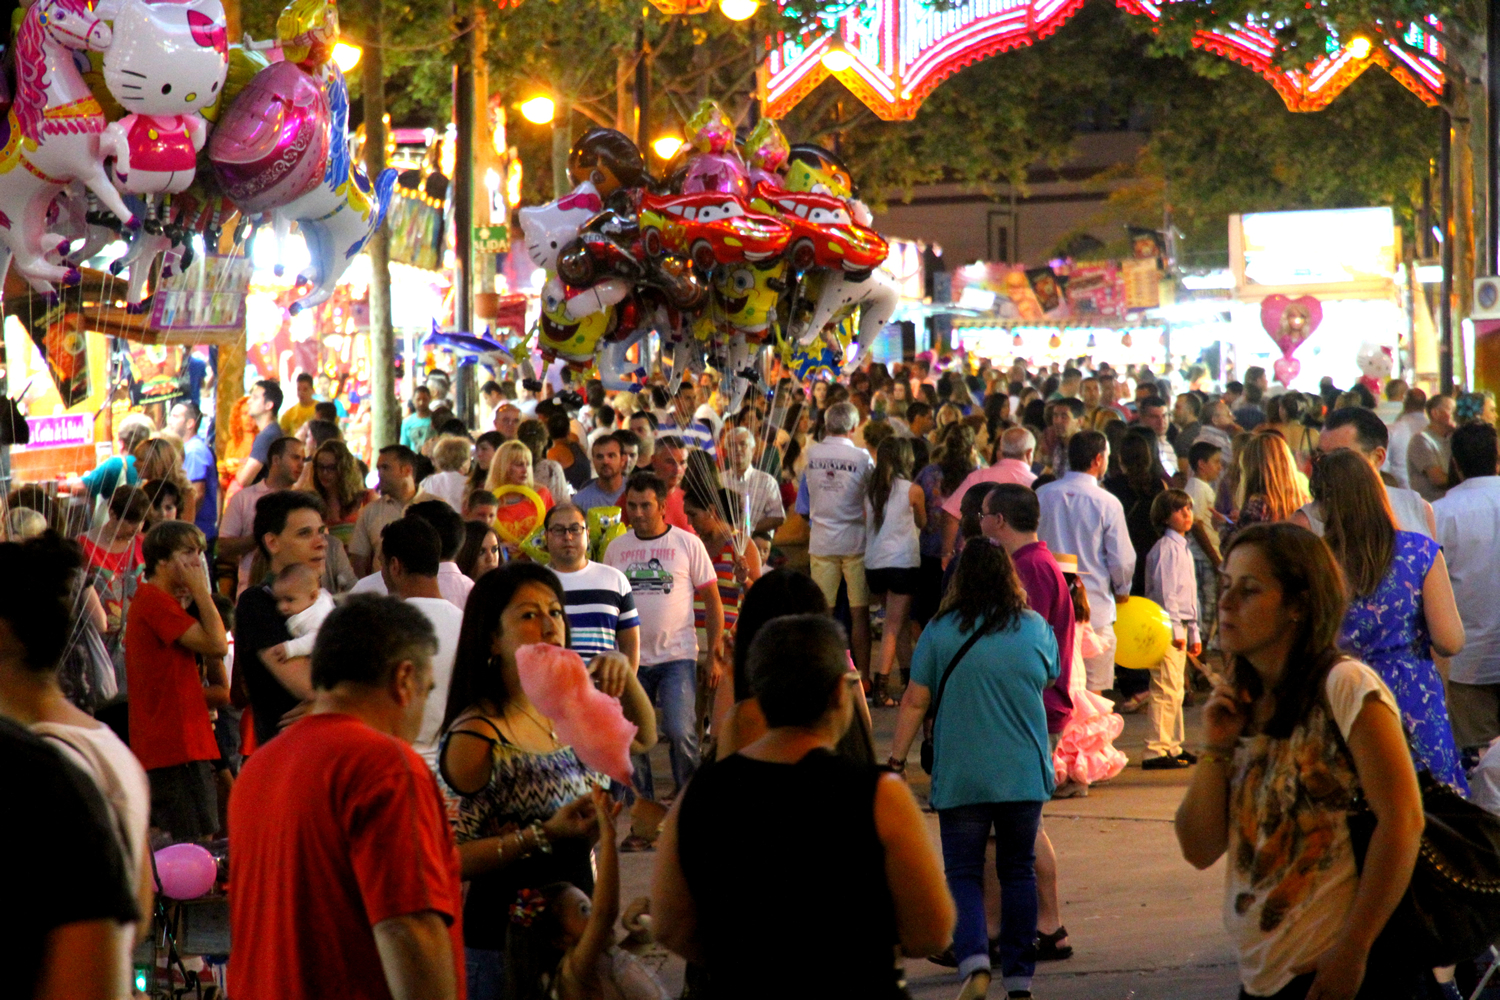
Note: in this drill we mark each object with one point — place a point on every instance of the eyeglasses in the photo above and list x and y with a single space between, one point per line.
569 531
325 467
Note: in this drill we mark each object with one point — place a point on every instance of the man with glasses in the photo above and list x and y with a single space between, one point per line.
1363 432
600 606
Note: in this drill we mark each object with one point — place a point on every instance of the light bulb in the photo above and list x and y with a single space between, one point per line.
667 146
1359 47
739 10
836 58
538 110
346 56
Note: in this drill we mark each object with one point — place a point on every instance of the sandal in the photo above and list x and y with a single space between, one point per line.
634 844
1047 949
879 697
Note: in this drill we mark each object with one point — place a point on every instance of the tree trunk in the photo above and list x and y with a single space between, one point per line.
562 144
385 410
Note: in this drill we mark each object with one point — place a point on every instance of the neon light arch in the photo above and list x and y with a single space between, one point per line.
902 51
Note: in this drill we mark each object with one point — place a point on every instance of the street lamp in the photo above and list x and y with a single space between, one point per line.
538 110
1359 47
667 146
739 10
836 57
346 56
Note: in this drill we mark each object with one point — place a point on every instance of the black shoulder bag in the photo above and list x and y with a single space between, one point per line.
928 724
1451 909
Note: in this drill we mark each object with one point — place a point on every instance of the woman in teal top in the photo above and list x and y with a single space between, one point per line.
992 764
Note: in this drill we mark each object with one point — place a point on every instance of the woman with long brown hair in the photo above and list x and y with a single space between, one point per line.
1268 487
336 478
1400 604
895 513
159 459
991 760
1296 738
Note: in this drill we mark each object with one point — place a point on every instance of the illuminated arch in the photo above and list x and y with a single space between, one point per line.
901 50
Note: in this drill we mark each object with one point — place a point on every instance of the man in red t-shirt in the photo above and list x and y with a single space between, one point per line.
345 875
170 731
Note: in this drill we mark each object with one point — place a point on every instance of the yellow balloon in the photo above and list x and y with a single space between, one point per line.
516 522
1144 631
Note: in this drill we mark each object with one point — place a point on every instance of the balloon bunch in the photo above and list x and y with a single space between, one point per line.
122 149
741 246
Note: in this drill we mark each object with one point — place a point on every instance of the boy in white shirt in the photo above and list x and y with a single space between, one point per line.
1171 583
1205 466
304 603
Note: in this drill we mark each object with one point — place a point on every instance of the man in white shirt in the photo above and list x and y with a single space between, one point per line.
237 533
409 563
1017 446
1411 421
831 496
766 511
452 584
667 567
1468 529
1081 517
1360 430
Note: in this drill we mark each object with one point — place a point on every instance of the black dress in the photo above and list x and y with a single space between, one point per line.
779 853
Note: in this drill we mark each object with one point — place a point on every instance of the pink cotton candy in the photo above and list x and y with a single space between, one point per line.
586 718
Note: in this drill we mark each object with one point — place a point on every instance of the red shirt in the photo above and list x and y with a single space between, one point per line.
336 827
169 722
675 515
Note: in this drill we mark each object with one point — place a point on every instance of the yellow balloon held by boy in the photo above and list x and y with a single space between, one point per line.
1143 631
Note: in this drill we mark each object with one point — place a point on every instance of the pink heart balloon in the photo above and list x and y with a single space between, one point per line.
1273 313
271 145
1286 369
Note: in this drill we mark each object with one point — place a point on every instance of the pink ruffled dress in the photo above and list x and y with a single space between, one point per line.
1086 751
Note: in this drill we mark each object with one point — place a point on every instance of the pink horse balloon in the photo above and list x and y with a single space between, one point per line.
50 138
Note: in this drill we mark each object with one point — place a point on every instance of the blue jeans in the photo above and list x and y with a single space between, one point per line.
965 830
673 688
484 973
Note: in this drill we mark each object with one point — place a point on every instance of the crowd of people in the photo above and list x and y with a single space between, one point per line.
315 659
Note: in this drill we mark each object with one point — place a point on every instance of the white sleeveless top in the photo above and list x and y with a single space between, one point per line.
897 545
1408 506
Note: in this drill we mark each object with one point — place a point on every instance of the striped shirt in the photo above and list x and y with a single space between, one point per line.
599 604
729 595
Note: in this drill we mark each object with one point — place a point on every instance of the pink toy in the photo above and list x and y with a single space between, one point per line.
166 64
271 144
187 871
586 718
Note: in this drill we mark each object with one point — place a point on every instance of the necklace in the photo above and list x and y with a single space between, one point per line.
537 721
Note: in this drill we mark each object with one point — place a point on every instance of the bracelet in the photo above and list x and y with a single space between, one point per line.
520 841
543 844
896 764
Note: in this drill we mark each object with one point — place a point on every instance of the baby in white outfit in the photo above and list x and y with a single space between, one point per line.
304 603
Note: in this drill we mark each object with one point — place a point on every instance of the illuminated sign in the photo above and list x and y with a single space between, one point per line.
902 49
1332 247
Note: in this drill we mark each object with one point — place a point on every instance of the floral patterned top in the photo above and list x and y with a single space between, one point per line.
1388 631
1291 875
523 787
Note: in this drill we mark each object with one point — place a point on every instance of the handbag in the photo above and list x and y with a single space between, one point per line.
929 749
1451 909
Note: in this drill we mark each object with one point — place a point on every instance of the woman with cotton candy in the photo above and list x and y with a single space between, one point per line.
529 732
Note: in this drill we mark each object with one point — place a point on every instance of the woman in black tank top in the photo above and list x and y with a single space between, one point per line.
785 840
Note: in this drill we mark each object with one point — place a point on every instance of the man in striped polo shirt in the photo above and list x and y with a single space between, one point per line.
600 606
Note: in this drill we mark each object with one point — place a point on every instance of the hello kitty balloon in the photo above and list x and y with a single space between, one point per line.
166 64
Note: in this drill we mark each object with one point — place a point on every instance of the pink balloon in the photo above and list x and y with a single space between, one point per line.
721 172
187 871
1286 369
759 176
271 145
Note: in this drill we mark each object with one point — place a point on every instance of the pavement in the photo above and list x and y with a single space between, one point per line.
1143 923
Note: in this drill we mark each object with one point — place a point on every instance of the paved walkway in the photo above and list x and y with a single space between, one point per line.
1142 921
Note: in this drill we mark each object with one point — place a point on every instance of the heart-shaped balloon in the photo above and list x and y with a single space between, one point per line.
1286 369
520 514
1290 321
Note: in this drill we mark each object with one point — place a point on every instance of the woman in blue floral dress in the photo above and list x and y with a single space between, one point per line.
1401 607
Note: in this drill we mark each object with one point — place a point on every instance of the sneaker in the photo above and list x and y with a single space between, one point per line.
1134 704
1071 789
1164 764
1188 756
